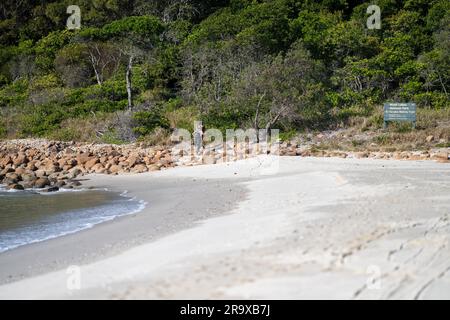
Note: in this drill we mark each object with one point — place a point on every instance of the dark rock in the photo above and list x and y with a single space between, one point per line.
75 183
15 186
51 189
60 183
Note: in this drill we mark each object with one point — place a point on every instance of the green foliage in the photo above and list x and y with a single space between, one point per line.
294 65
3 130
146 121
47 47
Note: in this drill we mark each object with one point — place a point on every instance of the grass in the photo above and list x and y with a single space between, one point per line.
362 133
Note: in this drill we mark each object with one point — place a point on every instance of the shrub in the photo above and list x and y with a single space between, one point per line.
183 118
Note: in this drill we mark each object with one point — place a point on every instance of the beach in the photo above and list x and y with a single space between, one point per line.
325 228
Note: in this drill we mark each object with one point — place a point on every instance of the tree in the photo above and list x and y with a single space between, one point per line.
104 58
437 62
136 37
282 89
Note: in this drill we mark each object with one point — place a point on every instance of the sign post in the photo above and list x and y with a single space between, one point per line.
400 112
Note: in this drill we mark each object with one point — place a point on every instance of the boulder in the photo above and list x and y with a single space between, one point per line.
60 183
73 173
115 169
21 170
83 158
133 159
41 183
28 176
154 167
75 183
15 186
20 159
40 173
13 176
441 155
140 168
7 169
89 164
98 168
51 189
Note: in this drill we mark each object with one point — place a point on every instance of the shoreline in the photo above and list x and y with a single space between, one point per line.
76 218
112 237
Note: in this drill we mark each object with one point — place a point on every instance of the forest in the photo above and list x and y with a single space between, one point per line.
137 69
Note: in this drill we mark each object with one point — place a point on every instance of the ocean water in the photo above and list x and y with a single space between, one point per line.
29 216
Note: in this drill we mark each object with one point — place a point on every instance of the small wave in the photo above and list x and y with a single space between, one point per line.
65 190
69 222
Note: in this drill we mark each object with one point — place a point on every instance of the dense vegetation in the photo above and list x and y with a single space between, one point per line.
138 68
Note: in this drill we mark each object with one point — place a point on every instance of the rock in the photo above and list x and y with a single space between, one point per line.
51 189
91 163
429 138
115 169
13 176
83 158
75 183
20 159
15 186
360 155
133 160
67 167
41 183
26 185
20 170
8 181
99 168
40 173
441 155
5 161
32 165
29 176
51 168
154 167
7 170
397 156
73 173
60 183
140 168
157 156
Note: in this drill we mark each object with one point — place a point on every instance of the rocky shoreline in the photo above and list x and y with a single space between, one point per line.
51 165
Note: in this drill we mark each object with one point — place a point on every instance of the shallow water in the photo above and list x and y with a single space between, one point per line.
29 216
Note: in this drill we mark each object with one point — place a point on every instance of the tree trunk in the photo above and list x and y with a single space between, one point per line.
128 80
94 63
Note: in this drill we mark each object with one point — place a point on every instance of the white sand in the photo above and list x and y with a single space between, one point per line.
316 228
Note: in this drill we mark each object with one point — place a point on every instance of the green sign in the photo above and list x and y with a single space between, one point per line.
400 112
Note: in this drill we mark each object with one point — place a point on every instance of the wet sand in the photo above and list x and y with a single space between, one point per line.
173 204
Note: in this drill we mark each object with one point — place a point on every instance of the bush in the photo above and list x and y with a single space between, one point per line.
3 131
146 121
159 136
183 118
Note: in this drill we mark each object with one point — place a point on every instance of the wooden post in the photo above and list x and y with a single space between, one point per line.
198 136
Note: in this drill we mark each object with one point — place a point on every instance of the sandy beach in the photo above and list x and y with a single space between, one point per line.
315 228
